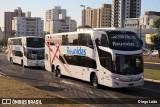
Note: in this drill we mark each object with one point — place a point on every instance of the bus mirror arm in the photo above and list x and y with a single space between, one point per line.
113 56
149 52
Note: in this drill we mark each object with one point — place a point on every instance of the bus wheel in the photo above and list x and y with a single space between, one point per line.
22 64
11 60
95 81
58 72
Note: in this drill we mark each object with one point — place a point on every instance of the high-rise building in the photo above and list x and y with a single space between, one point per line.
122 9
94 18
97 18
8 17
86 17
27 26
58 21
104 16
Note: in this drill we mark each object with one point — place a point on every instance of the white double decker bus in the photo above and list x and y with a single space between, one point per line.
27 51
111 58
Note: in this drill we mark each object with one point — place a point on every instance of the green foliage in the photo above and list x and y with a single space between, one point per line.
157 25
59 31
3 42
86 26
156 41
13 33
44 33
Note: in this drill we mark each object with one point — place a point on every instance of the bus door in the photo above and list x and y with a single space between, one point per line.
89 65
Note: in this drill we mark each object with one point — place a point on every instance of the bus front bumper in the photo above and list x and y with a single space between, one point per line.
122 84
35 63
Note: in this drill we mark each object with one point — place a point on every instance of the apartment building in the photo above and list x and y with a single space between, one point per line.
147 20
122 9
8 17
104 16
58 21
27 26
132 23
96 18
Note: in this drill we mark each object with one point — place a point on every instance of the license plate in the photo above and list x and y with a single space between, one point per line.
37 64
131 84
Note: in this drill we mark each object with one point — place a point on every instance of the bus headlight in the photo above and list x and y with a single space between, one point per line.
29 61
142 77
117 77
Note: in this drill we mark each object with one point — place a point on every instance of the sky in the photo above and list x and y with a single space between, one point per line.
38 7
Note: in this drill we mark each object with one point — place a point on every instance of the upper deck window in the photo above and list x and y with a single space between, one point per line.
35 42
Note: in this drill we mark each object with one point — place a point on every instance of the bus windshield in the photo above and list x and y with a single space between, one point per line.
35 54
35 42
128 64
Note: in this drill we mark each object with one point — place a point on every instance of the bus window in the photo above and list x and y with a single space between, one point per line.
64 39
71 40
84 39
102 40
35 42
80 61
105 59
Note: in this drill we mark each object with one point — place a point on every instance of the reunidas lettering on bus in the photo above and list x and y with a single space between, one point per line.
78 51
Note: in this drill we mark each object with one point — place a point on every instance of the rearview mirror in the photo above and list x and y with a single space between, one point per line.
141 42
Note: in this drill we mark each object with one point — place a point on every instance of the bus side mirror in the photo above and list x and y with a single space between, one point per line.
141 42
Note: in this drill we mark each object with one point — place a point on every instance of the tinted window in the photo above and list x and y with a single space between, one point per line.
35 42
18 53
17 41
85 40
77 39
102 40
79 61
105 59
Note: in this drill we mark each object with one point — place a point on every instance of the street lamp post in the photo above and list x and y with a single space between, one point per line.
84 16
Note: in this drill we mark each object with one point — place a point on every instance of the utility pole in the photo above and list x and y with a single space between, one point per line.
84 16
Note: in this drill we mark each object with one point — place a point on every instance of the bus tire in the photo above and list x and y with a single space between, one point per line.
11 60
95 81
53 69
22 64
58 72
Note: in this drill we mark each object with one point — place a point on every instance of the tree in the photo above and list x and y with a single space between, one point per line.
44 33
59 31
157 25
3 42
155 39
13 33
86 26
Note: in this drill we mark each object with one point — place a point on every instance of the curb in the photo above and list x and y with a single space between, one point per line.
152 63
151 80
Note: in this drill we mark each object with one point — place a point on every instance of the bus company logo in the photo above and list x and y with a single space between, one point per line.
78 51
6 101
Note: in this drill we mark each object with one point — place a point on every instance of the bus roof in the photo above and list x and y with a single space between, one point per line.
25 37
91 30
